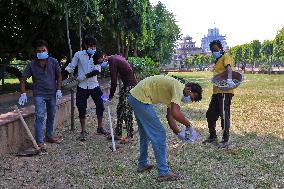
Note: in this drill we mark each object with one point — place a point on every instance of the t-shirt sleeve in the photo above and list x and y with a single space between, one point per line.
177 93
57 67
228 61
27 71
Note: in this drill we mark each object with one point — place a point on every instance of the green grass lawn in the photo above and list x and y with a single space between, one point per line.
13 81
254 160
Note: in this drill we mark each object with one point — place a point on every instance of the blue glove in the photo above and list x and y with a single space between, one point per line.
192 137
181 135
105 99
230 83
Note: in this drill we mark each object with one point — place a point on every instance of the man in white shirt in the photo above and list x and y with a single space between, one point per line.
88 69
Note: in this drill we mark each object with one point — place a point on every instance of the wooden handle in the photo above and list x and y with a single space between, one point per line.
27 128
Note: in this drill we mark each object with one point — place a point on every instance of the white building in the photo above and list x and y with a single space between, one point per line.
213 34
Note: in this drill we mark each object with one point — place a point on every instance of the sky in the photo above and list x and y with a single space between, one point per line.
240 20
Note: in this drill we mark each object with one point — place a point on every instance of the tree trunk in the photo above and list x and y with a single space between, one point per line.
80 33
270 64
126 47
68 34
118 43
70 54
135 49
122 46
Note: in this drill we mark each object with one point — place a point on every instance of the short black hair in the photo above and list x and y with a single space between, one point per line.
97 56
40 43
195 88
90 41
216 42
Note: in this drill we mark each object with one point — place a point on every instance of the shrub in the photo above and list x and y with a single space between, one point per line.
144 67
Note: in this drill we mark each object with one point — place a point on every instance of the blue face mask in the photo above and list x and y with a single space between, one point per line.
91 51
42 55
104 63
217 54
186 99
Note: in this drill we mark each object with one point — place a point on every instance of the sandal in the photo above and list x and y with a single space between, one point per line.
116 137
124 140
147 167
101 131
170 177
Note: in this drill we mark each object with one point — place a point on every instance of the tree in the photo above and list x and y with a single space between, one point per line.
255 55
278 46
237 54
267 51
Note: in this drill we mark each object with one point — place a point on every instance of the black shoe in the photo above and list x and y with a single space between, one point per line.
210 140
101 131
83 136
223 144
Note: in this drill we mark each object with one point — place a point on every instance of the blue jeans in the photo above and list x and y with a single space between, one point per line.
40 104
150 129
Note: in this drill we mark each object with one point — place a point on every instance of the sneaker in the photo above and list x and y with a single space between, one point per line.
210 140
52 139
170 177
223 144
101 131
83 136
147 167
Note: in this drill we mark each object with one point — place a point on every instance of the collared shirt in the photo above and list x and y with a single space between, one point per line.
219 67
159 89
44 78
118 65
85 65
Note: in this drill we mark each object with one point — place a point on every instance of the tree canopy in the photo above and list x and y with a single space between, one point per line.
128 27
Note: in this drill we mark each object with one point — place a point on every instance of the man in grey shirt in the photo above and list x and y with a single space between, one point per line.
46 76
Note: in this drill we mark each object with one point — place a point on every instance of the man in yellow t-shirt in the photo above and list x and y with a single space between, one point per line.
220 100
166 90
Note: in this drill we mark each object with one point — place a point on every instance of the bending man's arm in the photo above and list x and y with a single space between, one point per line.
178 115
172 122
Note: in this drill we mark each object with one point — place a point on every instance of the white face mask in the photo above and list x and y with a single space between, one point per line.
186 99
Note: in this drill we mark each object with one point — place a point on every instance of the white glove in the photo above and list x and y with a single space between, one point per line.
58 94
230 83
23 99
81 77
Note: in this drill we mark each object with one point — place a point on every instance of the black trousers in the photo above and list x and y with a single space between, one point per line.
219 107
82 96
